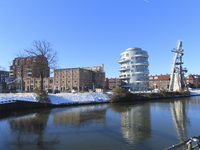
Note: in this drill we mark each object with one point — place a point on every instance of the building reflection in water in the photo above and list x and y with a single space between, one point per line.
180 119
135 122
79 116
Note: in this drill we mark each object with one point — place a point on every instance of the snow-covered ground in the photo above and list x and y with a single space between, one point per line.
57 98
195 92
67 98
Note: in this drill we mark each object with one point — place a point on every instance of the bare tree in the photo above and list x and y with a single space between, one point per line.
22 67
47 57
2 68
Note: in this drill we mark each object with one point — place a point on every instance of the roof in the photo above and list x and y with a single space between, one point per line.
160 77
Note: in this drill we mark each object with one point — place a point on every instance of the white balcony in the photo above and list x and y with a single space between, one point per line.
30 69
123 61
11 70
124 69
11 74
141 55
29 72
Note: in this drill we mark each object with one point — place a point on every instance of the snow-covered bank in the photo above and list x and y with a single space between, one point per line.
195 92
60 98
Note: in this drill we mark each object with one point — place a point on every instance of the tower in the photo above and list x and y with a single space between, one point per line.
177 74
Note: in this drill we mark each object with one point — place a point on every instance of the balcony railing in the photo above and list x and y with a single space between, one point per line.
11 70
29 68
11 74
29 72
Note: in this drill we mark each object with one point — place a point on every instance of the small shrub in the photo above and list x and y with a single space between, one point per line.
120 94
42 97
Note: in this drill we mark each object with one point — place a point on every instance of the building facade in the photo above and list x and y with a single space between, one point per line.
29 66
134 69
113 83
3 76
82 78
159 81
193 80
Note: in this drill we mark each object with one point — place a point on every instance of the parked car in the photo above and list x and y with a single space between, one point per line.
49 91
74 91
56 91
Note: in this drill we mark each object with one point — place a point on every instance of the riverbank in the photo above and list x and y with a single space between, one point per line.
57 99
80 98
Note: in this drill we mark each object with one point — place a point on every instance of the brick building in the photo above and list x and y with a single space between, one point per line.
3 76
30 66
31 83
159 81
193 80
113 83
83 78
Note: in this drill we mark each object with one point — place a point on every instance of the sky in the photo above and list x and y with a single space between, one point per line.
90 32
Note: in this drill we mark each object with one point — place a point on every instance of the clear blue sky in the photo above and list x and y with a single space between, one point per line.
90 32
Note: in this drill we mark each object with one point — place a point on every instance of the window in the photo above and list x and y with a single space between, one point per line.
128 71
68 76
51 81
68 81
63 82
132 57
132 62
132 70
128 67
56 81
133 66
57 76
133 75
28 82
63 76
127 63
127 54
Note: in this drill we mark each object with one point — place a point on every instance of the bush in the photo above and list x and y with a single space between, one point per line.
42 97
120 94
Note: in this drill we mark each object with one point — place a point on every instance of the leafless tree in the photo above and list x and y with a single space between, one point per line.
2 68
43 50
22 68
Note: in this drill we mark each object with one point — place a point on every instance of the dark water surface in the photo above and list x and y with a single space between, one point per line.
151 125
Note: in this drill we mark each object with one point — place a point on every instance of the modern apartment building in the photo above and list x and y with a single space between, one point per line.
30 66
82 78
134 69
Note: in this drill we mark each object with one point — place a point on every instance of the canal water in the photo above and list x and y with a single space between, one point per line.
151 125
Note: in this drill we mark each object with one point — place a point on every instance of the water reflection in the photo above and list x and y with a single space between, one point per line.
80 115
180 118
29 129
135 122
114 126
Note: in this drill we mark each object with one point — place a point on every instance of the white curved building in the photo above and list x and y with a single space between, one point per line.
134 69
